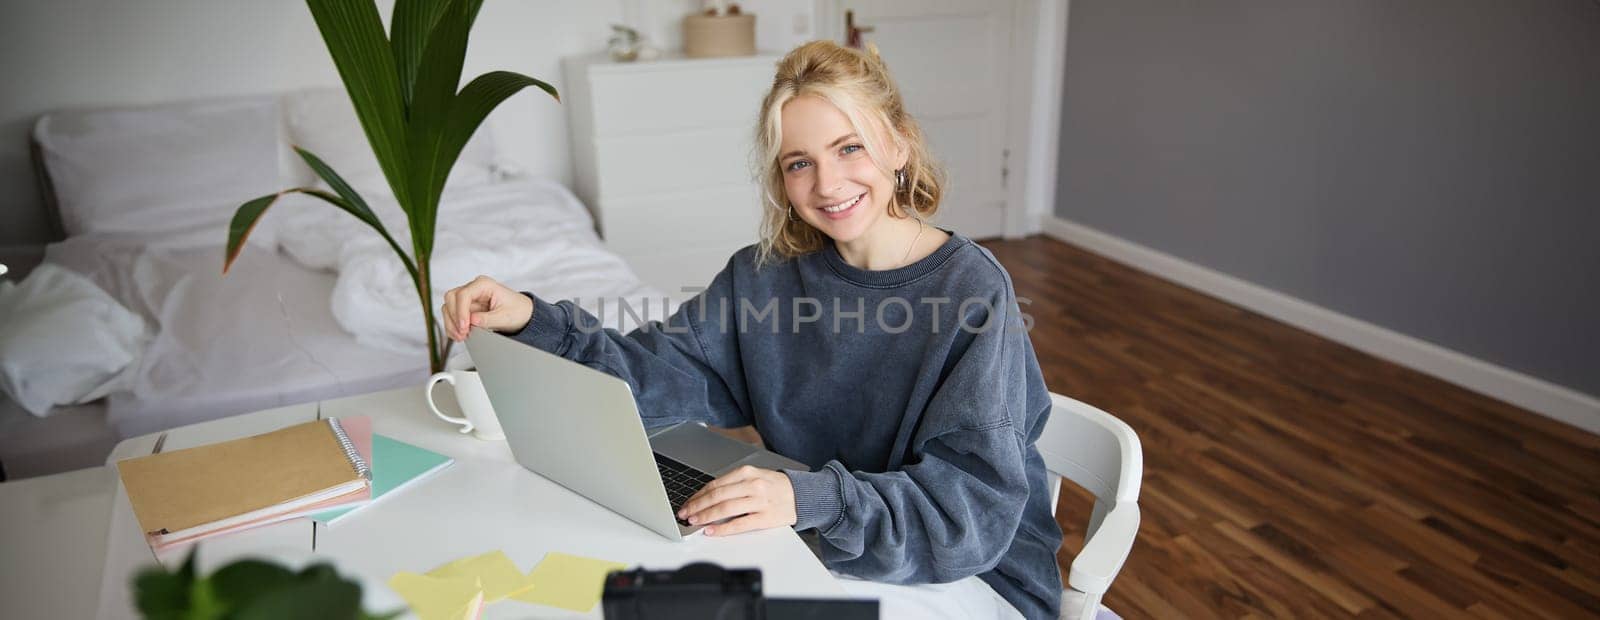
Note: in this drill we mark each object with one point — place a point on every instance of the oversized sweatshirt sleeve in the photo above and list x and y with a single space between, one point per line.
953 509
682 369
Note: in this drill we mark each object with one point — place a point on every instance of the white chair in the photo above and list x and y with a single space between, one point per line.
1102 454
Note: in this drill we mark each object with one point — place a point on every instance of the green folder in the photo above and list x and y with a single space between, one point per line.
395 464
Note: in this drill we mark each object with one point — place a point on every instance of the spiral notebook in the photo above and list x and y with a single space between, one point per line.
395 466
187 495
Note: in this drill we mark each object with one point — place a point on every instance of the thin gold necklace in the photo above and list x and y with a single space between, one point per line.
921 228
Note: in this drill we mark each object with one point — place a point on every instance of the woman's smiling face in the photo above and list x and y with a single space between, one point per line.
830 179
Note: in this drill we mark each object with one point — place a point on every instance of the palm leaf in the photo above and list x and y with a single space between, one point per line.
432 95
413 22
478 99
353 31
344 197
357 205
352 203
249 213
245 218
467 112
244 221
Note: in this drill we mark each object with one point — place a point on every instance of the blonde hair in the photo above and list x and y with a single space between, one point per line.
858 84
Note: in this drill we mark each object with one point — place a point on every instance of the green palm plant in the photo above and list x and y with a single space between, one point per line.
247 589
404 88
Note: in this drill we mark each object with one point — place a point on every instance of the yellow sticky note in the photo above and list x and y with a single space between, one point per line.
500 577
568 581
432 598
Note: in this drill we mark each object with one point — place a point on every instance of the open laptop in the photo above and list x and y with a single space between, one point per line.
580 428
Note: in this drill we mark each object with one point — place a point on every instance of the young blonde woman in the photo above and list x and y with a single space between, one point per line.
887 354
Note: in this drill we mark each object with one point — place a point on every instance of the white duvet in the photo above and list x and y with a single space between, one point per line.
532 235
334 313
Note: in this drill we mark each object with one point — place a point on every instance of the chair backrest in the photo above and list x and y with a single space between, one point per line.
1094 450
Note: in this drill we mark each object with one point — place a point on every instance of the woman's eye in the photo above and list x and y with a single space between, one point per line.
850 149
796 165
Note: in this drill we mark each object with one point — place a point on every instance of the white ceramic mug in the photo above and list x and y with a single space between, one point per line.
481 420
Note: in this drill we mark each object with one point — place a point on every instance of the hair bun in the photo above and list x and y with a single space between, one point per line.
875 61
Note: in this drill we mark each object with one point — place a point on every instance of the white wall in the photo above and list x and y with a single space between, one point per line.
87 53
780 24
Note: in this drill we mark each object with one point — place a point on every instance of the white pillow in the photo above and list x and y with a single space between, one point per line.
323 121
63 340
171 173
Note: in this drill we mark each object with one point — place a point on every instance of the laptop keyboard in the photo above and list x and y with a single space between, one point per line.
681 481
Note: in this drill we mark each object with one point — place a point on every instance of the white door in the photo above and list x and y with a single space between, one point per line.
951 59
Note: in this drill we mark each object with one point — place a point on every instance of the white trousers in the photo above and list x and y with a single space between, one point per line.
965 599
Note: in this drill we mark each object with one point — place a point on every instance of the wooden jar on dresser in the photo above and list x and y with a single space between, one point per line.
662 154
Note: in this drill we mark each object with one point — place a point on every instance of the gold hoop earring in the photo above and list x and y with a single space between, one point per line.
900 180
792 218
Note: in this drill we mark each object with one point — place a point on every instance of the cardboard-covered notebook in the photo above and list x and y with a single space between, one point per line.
185 495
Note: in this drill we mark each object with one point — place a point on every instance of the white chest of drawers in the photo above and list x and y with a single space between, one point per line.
662 155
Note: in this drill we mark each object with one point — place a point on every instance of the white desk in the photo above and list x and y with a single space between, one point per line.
485 501
52 543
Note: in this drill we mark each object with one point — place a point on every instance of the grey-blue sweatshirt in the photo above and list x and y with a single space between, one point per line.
913 393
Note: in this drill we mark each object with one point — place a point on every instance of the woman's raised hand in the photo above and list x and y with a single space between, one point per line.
485 303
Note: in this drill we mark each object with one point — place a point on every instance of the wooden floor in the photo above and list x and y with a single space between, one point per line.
1287 475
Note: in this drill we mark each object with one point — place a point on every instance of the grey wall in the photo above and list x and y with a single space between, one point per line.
1430 166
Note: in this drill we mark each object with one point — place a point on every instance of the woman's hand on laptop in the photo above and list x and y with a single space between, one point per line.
750 497
485 303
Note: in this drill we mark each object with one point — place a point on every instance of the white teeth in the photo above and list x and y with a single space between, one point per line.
842 206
